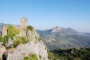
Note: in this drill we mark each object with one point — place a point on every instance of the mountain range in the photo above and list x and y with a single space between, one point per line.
62 38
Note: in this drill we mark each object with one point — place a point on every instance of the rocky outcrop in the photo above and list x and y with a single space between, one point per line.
34 46
2 50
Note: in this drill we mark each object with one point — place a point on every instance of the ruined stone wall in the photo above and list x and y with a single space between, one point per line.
4 31
22 32
22 28
23 22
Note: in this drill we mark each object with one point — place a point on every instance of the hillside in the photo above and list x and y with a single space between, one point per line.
71 54
87 34
64 38
21 43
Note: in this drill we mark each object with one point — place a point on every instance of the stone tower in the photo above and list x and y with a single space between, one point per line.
23 22
4 31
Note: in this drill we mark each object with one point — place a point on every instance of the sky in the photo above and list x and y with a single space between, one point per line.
46 14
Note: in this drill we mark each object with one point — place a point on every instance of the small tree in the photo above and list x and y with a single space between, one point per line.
5 40
1 39
12 31
20 40
30 28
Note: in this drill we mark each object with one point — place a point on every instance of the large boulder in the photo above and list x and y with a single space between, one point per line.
24 50
2 50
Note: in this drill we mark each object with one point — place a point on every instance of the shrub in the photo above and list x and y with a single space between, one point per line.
12 31
40 38
11 46
31 57
15 43
1 39
10 36
25 39
5 40
30 28
20 40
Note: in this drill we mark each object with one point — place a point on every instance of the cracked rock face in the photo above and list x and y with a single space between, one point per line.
23 50
35 46
2 50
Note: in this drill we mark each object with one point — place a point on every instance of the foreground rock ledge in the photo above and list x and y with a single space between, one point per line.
2 50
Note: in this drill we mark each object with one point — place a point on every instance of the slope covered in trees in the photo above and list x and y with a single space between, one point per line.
70 54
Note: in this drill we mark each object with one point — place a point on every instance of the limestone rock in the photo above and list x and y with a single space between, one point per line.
9 42
35 46
2 50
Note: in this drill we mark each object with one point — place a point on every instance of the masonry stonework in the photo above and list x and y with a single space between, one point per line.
4 30
21 28
23 22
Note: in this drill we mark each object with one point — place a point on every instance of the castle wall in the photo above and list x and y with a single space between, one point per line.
22 28
22 32
23 22
4 31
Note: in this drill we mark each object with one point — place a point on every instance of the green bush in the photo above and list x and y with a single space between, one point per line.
66 54
30 28
1 39
40 38
10 36
12 31
15 43
25 39
5 40
20 40
31 57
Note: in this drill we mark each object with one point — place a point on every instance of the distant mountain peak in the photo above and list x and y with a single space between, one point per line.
56 29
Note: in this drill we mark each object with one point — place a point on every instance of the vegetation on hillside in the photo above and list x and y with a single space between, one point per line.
20 40
40 38
30 28
31 57
70 54
12 31
1 39
4 40
64 38
17 41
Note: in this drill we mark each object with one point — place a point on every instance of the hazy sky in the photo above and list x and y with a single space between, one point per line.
46 14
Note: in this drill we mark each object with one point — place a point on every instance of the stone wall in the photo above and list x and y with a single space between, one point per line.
4 31
22 31
23 22
22 28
